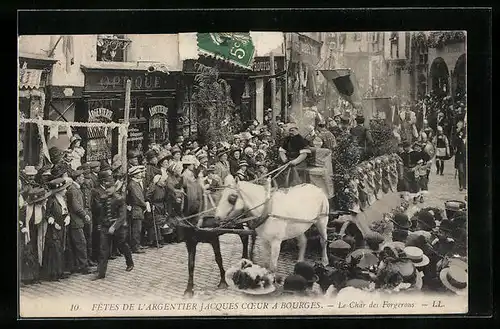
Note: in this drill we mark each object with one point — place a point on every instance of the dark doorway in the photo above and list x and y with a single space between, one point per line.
439 75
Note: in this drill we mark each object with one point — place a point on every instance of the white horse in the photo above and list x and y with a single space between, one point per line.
291 213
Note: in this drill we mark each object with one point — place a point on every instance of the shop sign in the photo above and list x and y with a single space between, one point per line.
97 81
262 65
97 114
158 109
136 132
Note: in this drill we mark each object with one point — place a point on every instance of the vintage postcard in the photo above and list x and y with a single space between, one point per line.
251 174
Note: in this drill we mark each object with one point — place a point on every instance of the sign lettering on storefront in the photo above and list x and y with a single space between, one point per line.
136 132
97 81
97 114
158 109
263 64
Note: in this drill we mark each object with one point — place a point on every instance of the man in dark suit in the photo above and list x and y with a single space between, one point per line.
95 168
363 136
137 203
79 216
110 210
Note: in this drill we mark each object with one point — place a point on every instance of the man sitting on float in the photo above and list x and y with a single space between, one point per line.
294 152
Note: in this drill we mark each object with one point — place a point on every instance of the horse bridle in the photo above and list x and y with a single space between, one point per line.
260 220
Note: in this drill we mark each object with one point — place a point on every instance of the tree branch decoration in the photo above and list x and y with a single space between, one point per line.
218 119
439 39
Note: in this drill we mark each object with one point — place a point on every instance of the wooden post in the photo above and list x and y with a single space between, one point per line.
285 92
273 96
126 117
301 80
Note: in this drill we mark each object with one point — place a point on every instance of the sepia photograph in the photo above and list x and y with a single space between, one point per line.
257 173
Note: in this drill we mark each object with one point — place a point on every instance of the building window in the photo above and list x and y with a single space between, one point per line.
112 47
423 53
393 39
357 36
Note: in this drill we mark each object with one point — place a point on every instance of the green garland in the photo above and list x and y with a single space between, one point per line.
384 141
345 157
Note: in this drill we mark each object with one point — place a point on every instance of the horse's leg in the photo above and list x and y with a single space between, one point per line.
252 247
302 243
275 253
218 258
321 225
244 241
191 248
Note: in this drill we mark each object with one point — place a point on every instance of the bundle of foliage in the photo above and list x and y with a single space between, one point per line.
218 119
345 157
384 141
439 39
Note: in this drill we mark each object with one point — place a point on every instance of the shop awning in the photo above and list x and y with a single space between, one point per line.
235 48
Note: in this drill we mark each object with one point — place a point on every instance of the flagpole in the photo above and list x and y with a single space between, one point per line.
126 118
301 78
273 96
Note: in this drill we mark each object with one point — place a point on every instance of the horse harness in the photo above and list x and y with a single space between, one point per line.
259 220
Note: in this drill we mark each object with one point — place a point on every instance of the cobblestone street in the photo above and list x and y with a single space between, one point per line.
163 272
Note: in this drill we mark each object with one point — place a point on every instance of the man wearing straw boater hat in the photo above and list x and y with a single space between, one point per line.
79 216
138 204
111 214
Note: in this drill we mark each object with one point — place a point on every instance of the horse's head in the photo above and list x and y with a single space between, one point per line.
231 203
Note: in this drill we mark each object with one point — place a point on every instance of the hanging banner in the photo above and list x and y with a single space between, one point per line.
99 141
236 48
29 78
346 85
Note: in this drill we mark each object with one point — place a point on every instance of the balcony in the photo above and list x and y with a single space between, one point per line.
112 47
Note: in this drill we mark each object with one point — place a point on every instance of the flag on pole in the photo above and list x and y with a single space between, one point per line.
69 52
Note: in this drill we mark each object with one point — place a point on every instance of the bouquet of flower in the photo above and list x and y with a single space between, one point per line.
252 276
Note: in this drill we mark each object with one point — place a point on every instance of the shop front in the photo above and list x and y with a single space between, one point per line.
33 74
241 89
263 95
153 103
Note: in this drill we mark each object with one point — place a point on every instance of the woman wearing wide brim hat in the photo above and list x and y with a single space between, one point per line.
188 163
32 235
164 158
57 217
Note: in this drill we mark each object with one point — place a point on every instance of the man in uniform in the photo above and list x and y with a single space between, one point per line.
110 210
294 151
137 203
86 188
